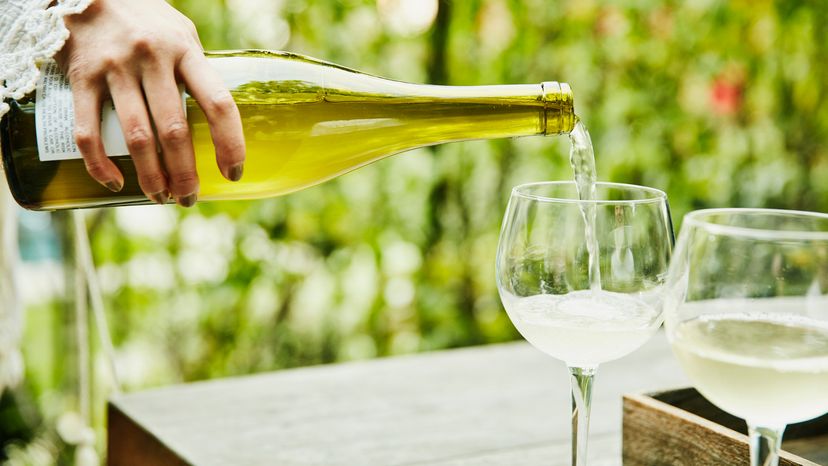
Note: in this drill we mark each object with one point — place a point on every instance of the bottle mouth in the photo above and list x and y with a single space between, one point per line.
559 108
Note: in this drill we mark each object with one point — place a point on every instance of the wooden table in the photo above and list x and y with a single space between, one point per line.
492 405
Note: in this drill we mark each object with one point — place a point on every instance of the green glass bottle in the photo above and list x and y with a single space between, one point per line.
305 121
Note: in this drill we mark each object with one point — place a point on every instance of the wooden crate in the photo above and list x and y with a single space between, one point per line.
680 427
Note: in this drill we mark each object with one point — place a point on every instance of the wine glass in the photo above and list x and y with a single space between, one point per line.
746 309
580 314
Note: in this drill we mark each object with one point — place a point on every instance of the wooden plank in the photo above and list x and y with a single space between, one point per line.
548 454
498 404
658 433
129 444
806 439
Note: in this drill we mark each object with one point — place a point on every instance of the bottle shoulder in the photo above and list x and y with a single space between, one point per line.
279 55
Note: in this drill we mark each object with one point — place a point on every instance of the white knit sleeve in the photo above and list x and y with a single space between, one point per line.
30 32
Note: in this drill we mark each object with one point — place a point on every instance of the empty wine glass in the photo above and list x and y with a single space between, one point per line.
746 312
580 314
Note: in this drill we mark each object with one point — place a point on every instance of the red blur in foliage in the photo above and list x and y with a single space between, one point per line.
726 95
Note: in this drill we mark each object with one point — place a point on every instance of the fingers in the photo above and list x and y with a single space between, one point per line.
87 100
140 140
173 133
221 111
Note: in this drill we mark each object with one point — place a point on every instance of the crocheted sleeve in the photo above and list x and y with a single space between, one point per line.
30 31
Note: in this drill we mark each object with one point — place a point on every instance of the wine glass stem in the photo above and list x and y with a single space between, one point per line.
765 443
581 381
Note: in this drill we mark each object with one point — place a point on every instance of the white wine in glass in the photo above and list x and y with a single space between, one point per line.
584 328
547 280
747 316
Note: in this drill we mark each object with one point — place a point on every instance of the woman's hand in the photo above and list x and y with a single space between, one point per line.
135 52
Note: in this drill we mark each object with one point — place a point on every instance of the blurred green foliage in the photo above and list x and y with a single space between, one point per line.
717 103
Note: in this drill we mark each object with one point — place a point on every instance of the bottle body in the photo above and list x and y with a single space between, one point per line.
304 121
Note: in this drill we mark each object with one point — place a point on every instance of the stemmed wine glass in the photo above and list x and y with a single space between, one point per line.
746 309
580 313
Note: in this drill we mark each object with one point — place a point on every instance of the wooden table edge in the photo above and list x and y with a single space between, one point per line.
130 444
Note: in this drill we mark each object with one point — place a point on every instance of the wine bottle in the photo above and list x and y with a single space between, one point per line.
305 121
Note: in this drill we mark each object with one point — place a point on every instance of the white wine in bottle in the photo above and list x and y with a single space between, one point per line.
305 121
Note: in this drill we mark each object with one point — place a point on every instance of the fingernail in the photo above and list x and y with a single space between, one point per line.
113 186
188 200
236 171
160 197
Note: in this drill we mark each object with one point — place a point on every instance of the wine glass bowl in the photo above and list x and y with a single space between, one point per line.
543 269
746 312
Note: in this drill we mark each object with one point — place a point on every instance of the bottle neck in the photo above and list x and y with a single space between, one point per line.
545 108
550 101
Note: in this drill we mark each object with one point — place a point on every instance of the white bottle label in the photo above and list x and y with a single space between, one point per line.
55 119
